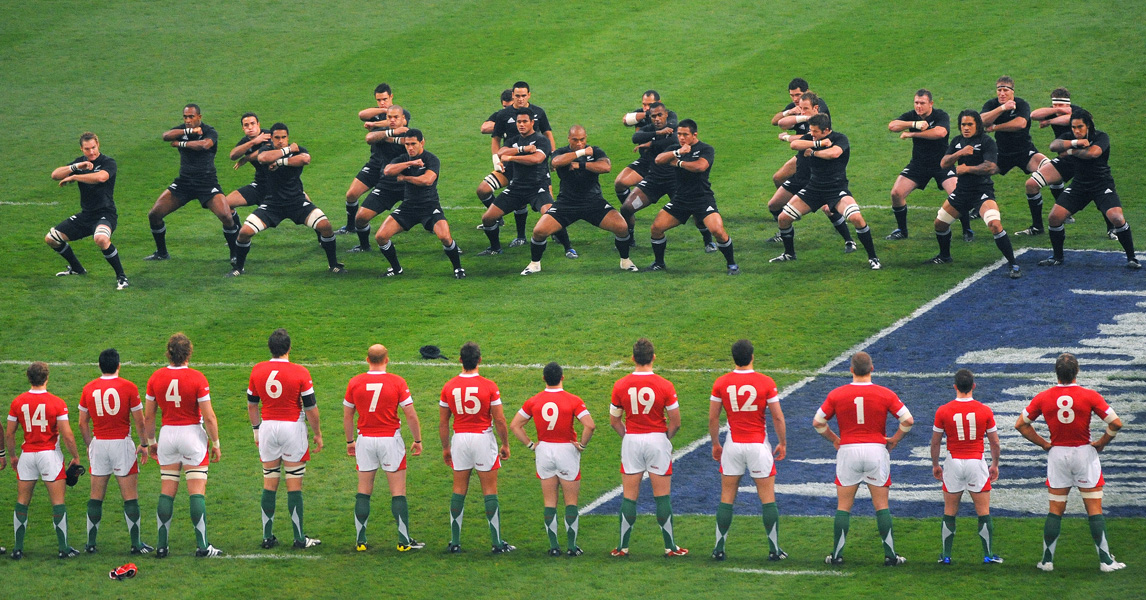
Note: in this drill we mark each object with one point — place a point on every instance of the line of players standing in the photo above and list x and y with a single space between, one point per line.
672 162
644 411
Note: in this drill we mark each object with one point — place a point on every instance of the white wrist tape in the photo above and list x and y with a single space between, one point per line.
630 118
580 153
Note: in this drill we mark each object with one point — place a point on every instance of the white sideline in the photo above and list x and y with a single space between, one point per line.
613 493
6 203
779 572
272 556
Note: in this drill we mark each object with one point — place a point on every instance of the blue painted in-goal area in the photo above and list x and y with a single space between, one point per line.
1008 332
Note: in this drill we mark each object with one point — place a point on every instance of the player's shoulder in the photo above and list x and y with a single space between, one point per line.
991 104
564 150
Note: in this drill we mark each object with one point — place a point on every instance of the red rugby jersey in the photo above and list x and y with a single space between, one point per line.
280 385
553 413
861 410
1067 410
376 395
744 395
645 396
109 402
37 413
470 398
965 421
177 391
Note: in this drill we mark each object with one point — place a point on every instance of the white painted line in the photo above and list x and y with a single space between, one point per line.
6 203
1109 292
779 572
272 556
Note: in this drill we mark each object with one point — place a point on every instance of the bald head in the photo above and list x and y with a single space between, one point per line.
577 138
576 130
377 355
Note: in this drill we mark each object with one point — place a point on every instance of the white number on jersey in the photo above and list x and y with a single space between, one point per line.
1065 409
274 386
641 399
549 413
106 401
468 405
970 432
173 393
859 410
377 389
749 403
35 419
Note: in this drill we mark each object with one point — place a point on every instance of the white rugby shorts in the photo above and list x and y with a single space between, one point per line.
112 457
863 463
558 460
283 439
186 444
47 465
376 452
966 474
642 452
1073 466
756 458
475 451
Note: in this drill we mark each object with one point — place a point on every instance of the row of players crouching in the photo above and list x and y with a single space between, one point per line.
644 411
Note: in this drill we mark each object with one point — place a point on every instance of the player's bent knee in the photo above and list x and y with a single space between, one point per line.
252 225
55 239
315 217
943 217
1035 182
295 472
1093 495
991 216
792 213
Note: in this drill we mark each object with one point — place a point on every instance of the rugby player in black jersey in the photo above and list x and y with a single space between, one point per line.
972 155
285 200
929 129
579 167
1009 117
417 171
94 174
829 152
1092 182
373 119
692 160
387 192
197 143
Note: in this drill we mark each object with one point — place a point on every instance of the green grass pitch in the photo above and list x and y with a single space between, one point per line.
124 70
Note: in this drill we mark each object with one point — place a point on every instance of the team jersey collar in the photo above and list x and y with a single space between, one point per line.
109 377
469 375
173 367
37 391
743 370
643 373
279 360
1067 385
376 372
964 399
862 383
552 390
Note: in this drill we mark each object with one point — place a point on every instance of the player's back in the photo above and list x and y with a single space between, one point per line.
644 397
109 401
280 386
553 413
861 409
37 413
965 422
177 391
376 396
744 394
1067 410
470 397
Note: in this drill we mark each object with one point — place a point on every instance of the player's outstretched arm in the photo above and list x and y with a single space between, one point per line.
790 121
426 179
781 428
173 134
1016 124
240 152
714 408
369 113
599 167
936 439
415 427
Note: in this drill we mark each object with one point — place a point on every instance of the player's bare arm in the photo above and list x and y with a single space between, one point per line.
985 169
517 428
906 421
798 145
936 468
174 134
62 172
820 424
369 113
313 420
69 440
1113 425
996 451
1023 425
791 120
254 415
673 422
141 449
587 429
781 429
1076 148
497 413
990 116
86 428
1016 124
240 152
10 441
714 409
415 427
530 155
274 154
149 429
349 429
444 415
211 424
949 160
